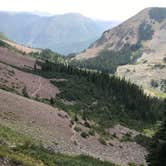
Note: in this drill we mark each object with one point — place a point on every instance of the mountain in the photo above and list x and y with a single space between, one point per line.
51 109
65 34
135 50
25 50
52 113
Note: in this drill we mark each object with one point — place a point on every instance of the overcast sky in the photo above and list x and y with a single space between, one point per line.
98 9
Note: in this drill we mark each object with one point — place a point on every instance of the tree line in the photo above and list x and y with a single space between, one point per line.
137 104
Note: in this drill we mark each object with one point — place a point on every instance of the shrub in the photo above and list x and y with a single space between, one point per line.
164 59
84 134
52 101
143 140
72 122
78 129
160 66
132 164
91 132
102 141
87 124
126 137
24 92
154 83
114 135
76 118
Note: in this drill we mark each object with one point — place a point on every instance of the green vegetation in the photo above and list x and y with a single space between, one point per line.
21 150
24 92
163 85
145 32
98 97
6 88
158 146
158 14
91 132
111 59
47 54
133 164
160 66
103 99
154 83
102 141
84 134
126 137
77 129
143 140
149 132
164 59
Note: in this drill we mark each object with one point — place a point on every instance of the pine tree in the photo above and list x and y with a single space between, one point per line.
157 156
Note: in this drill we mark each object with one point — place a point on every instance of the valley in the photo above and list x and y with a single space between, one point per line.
102 107
65 33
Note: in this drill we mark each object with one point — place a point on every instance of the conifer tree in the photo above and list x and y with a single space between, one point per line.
157 155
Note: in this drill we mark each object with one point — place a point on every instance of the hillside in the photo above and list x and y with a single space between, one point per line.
23 49
65 34
134 49
13 62
53 113
70 111
39 124
53 128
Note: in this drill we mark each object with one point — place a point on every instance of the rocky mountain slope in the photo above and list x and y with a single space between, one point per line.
65 34
116 38
54 129
143 33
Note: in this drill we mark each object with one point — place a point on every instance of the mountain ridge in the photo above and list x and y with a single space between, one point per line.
134 49
58 32
108 35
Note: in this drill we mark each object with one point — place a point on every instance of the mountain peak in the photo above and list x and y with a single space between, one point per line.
126 33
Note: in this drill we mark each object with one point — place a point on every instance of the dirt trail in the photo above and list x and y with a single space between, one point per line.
35 85
38 89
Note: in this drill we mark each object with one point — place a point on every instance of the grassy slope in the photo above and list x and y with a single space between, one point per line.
93 104
19 149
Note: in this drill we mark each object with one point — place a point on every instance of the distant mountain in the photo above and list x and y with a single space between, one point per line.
62 33
46 14
136 49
